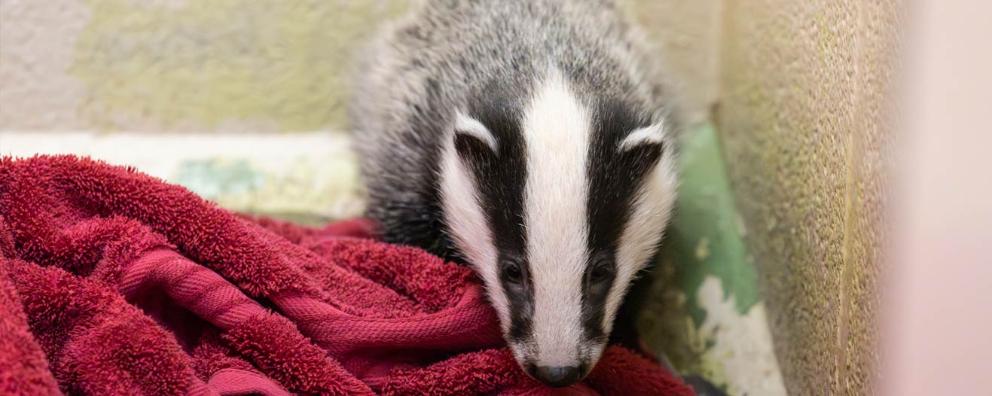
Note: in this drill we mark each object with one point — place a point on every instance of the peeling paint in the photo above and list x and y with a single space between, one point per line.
704 312
705 224
741 354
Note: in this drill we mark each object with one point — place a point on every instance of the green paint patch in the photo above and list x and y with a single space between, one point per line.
215 178
703 249
203 63
704 238
309 190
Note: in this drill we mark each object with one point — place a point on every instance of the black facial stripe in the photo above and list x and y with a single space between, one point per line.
614 181
500 179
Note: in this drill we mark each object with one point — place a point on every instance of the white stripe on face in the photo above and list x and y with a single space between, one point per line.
467 224
472 127
649 134
556 128
649 214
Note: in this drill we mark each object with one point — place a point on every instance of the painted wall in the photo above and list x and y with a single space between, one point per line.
173 65
802 126
233 65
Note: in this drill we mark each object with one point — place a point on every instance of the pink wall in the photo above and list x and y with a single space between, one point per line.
937 319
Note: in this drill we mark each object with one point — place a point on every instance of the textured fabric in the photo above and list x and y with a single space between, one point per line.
113 282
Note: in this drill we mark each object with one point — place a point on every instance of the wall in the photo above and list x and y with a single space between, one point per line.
938 305
231 65
801 117
178 66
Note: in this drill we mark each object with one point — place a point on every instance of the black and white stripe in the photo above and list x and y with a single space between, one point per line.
616 174
548 187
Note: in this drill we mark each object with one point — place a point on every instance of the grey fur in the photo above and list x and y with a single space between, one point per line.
423 68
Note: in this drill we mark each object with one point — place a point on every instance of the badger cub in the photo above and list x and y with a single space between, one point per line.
530 140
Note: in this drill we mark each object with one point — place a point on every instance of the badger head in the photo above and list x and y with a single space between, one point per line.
557 200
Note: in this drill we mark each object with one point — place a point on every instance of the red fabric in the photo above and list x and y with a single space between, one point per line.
113 282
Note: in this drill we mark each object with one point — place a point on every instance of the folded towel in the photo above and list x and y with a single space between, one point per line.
114 282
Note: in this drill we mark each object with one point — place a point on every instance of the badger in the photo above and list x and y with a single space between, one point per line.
532 140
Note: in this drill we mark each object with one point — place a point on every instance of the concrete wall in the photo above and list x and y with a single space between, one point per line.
801 117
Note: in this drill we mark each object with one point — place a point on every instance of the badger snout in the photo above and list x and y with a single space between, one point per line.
556 370
557 376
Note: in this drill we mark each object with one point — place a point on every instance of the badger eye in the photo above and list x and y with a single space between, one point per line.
511 271
601 272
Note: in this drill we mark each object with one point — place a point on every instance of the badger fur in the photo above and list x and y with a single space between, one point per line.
532 140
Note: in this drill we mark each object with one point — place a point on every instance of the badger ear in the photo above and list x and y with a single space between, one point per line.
651 135
472 139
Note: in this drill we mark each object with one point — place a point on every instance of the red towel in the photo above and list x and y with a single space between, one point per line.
114 282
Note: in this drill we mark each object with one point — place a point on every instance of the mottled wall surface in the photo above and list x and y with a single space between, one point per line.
233 65
175 65
800 116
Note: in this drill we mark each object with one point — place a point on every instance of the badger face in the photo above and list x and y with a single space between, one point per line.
557 200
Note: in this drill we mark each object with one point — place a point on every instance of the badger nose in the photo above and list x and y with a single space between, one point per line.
557 376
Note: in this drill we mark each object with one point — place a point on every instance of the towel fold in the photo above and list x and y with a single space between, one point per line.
113 282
